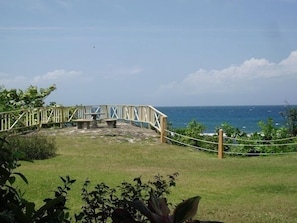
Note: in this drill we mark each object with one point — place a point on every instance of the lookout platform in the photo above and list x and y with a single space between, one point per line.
124 132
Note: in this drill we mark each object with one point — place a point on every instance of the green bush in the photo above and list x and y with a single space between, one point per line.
14 207
100 203
33 147
230 131
193 131
270 140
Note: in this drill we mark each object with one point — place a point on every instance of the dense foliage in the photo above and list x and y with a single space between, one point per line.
270 139
32 97
32 146
101 202
193 131
14 207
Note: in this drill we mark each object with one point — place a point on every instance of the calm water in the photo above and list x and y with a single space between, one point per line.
245 118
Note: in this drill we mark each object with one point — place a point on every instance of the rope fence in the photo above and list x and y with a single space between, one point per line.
228 145
259 140
188 137
189 145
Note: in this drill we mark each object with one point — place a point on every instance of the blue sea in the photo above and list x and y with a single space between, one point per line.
245 118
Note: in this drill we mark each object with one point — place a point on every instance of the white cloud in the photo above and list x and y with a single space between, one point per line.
53 77
57 75
252 74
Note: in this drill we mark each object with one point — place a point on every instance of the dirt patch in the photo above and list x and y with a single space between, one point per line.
122 133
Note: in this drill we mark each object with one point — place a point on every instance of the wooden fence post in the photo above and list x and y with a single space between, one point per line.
220 144
163 128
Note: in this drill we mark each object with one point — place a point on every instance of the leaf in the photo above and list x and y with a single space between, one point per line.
159 206
153 217
72 181
186 210
140 206
11 180
49 204
22 176
49 218
18 213
4 175
138 180
79 217
30 208
122 216
63 179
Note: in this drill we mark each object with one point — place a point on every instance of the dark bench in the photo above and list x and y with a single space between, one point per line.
111 122
83 123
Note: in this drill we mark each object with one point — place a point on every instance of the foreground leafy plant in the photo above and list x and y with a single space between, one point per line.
157 211
136 202
14 208
101 202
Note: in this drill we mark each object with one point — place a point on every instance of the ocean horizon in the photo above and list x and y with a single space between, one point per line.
243 117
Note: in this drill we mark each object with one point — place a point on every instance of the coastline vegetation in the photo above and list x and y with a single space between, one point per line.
270 139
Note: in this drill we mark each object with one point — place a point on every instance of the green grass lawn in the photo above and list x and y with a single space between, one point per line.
257 189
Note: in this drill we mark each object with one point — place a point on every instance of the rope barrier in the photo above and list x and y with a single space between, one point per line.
257 154
188 137
196 147
268 143
260 145
260 140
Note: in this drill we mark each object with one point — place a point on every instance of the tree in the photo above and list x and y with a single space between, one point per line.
290 115
32 97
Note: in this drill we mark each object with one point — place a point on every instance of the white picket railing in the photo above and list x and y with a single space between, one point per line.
36 117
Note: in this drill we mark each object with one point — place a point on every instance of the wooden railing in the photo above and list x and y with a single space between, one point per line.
37 117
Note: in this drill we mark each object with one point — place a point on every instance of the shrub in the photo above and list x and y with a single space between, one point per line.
100 203
136 202
14 208
193 131
157 211
269 140
33 147
230 131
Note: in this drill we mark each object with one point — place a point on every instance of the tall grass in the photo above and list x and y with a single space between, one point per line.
257 189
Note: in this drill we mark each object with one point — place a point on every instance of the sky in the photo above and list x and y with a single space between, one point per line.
152 52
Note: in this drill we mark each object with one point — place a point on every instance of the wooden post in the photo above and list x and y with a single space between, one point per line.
39 118
220 144
163 123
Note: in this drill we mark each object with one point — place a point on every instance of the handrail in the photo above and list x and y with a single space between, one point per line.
36 117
